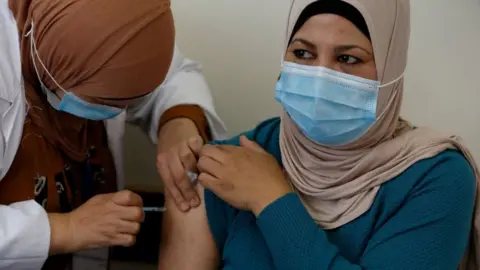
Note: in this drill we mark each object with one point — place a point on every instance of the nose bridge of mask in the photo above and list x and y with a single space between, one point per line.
331 85
359 81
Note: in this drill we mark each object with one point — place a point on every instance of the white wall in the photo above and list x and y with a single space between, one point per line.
239 44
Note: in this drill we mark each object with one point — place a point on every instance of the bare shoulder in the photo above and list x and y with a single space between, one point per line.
187 242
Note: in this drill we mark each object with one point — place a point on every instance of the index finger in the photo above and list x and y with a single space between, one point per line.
188 158
182 180
171 186
215 152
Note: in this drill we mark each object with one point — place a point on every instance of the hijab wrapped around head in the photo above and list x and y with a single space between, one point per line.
95 48
339 184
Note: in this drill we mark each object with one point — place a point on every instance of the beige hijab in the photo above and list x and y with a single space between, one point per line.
338 185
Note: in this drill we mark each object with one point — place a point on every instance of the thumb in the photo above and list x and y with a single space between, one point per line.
245 142
195 144
127 198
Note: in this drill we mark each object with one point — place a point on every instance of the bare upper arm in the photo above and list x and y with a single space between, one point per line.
187 242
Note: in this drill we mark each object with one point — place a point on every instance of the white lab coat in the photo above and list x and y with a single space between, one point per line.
24 226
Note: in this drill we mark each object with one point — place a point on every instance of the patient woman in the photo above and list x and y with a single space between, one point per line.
339 181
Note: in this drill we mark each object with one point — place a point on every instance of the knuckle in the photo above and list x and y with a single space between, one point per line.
201 163
175 194
168 183
128 195
161 159
166 178
130 240
110 207
198 141
136 228
179 176
184 152
138 214
205 149
178 198
201 176
186 186
188 195
97 198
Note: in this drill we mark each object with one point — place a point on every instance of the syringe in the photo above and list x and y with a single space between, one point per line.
193 179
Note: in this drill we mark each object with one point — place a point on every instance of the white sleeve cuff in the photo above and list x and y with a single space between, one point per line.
25 236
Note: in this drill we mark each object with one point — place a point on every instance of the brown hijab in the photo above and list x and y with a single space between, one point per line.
340 184
96 48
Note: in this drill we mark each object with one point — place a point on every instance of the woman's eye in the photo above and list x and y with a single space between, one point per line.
348 59
302 54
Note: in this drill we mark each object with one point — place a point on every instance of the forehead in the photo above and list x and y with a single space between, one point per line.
332 28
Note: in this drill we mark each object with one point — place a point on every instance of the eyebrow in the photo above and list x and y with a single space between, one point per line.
304 42
338 49
342 48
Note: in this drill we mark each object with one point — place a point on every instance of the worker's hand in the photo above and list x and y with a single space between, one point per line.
103 221
173 166
178 145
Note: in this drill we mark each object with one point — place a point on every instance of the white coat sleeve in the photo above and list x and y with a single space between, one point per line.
24 236
184 85
24 226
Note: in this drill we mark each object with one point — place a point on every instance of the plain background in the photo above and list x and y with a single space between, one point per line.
239 43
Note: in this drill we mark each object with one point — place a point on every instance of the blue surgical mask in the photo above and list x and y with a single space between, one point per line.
330 107
70 103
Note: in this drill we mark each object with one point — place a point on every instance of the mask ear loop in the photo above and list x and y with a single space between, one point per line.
395 93
394 81
33 53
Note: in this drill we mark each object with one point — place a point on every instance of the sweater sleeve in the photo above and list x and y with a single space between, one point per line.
429 231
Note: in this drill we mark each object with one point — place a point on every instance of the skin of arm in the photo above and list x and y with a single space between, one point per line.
60 234
187 242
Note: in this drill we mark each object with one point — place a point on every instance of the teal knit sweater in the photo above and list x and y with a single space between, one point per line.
419 220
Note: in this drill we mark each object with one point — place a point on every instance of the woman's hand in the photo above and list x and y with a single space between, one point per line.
178 147
247 177
103 221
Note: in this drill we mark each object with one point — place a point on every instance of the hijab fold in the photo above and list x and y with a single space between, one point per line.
339 185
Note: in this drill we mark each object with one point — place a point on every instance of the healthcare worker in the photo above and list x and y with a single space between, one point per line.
72 72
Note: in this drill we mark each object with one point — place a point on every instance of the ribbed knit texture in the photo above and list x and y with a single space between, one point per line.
419 221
